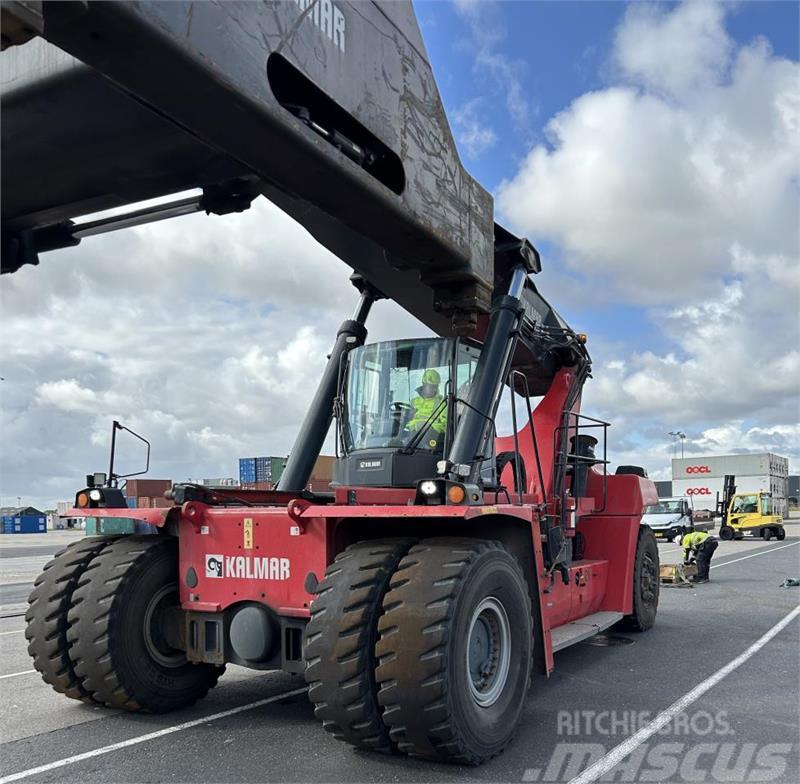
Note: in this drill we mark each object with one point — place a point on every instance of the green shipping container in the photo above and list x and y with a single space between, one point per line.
108 526
277 465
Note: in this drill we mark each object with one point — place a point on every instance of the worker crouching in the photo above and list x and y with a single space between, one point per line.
699 546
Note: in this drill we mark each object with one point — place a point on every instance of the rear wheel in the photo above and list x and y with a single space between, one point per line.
340 642
726 533
46 617
645 583
780 533
454 653
123 629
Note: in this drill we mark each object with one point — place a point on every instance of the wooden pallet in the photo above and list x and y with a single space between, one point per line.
676 574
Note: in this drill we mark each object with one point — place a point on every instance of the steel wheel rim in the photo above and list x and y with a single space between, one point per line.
648 578
158 648
488 655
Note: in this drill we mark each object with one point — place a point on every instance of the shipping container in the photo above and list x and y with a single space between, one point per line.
221 481
704 491
247 469
24 524
752 464
323 468
146 487
278 464
131 503
257 486
754 471
106 526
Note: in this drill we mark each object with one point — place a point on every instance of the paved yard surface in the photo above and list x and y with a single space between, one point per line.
740 725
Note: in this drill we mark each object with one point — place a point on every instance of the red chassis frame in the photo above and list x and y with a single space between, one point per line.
274 553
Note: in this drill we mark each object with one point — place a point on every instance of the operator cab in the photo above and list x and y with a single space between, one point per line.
397 408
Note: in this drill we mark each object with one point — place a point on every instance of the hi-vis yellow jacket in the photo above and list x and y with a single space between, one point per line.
692 542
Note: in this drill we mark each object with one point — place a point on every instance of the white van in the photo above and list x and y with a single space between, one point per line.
671 517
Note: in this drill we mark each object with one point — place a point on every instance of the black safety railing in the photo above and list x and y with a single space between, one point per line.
567 454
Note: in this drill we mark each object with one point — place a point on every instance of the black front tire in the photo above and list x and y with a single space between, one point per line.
340 642
646 583
117 630
726 533
452 691
46 617
766 534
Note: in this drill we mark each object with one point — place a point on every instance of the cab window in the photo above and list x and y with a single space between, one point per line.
745 504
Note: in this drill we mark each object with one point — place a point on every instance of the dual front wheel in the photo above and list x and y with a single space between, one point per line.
101 626
424 648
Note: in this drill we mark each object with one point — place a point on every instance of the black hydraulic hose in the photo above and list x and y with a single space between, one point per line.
317 422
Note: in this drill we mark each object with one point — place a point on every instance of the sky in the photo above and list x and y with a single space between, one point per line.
650 151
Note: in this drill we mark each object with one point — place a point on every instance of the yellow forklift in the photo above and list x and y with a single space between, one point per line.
747 513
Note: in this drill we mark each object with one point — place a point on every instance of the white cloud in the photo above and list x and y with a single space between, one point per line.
674 52
735 437
676 188
67 395
471 131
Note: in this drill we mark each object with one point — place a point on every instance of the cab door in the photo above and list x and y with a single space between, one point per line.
745 511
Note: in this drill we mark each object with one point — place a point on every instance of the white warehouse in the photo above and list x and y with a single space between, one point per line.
701 478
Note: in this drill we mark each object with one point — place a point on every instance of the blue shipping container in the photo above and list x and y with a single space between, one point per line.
131 503
25 524
247 469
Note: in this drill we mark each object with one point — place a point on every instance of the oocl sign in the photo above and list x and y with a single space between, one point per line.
698 491
698 469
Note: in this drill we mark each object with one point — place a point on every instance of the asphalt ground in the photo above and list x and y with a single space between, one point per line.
703 696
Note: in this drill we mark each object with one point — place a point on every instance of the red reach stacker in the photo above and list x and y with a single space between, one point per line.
447 566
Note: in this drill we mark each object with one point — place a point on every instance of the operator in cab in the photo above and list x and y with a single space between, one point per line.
699 545
429 399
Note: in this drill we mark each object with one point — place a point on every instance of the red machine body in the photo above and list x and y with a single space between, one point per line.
275 551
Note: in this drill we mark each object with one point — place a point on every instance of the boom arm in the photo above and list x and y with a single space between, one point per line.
330 106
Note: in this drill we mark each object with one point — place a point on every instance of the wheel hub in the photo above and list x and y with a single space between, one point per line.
488 651
649 578
156 616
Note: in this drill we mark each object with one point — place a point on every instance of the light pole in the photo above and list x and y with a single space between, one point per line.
678 435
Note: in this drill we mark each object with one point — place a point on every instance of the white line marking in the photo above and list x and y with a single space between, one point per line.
16 631
14 674
23 774
763 552
618 753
